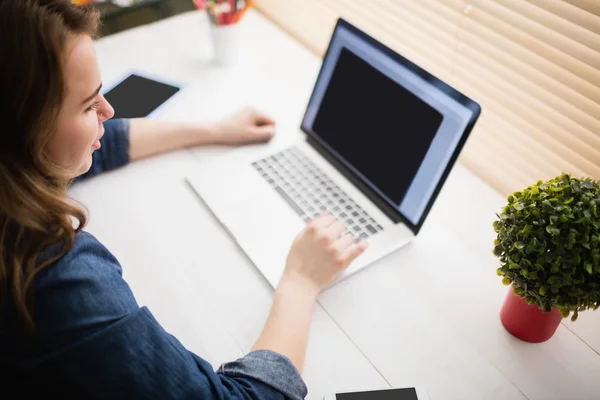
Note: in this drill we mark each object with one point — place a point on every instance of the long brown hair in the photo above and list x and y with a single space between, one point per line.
34 208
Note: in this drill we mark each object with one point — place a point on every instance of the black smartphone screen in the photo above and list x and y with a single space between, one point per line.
388 394
137 96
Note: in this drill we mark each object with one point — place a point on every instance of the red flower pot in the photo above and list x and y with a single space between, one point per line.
528 322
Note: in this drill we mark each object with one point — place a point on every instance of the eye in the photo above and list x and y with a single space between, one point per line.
92 107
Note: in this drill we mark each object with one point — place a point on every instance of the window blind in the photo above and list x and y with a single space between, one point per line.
533 65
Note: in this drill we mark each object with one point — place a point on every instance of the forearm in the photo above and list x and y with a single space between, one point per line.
288 324
149 137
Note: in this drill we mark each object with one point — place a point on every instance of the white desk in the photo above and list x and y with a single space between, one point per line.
427 315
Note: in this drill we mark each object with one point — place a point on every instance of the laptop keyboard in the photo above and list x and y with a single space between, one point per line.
310 192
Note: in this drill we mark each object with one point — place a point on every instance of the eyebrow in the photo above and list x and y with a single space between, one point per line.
88 99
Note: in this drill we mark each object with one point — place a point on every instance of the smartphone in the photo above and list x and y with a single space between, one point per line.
409 393
138 96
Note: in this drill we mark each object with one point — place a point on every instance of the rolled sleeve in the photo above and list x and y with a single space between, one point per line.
93 334
270 368
114 152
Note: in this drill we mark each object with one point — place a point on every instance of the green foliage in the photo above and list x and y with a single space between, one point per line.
548 244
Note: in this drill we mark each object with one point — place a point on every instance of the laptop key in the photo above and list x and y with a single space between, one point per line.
361 236
309 191
289 200
371 229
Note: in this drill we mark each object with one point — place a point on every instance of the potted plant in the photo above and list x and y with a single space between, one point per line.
548 244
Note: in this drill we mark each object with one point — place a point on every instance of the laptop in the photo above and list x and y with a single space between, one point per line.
379 137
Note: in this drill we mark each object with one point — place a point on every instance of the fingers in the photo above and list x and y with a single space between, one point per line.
262 133
355 250
261 119
323 220
344 242
336 229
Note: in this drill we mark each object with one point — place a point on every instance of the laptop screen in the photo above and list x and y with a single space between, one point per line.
393 128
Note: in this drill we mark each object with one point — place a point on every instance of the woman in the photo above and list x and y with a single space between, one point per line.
69 323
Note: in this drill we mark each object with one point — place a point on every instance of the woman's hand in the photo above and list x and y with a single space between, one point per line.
320 253
149 137
244 127
317 256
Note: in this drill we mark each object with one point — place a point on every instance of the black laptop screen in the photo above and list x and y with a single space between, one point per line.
394 126
371 121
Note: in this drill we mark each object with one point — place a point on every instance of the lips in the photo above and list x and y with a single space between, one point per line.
97 144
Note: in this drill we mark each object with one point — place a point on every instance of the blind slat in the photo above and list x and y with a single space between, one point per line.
584 144
571 13
533 65
554 22
508 151
311 25
480 38
483 158
591 6
545 160
558 102
554 93
477 16
504 49
572 149
485 163
551 109
509 12
385 28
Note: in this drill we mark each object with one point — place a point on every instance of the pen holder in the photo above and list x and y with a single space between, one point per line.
225 39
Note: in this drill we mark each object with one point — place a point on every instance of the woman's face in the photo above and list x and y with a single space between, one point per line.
83 110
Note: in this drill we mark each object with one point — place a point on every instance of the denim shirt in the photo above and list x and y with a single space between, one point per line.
94 341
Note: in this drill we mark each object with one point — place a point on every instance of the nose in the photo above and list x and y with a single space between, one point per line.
105 110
